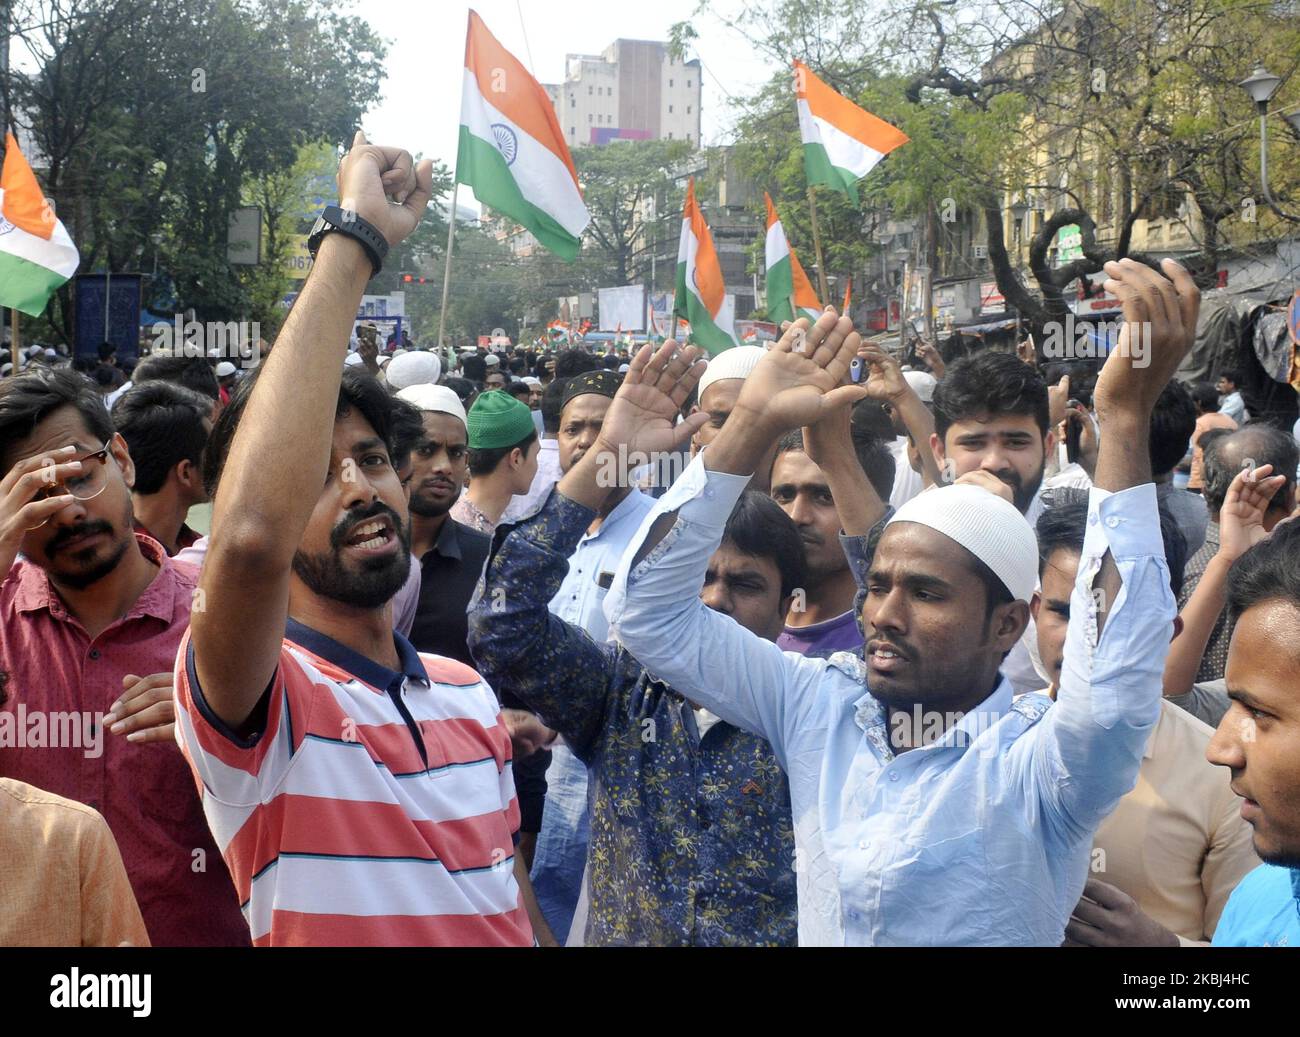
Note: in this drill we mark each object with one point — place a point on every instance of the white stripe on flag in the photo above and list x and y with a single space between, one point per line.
543 179
843 151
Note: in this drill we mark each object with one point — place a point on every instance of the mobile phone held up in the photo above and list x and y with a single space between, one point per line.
855 370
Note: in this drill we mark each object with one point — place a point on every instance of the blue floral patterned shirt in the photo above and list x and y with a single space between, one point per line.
691 838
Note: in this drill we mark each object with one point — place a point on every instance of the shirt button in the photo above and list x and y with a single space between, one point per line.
893 775
1092 520
863 844
1112 522
94 653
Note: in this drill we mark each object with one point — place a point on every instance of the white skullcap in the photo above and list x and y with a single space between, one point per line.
530 380
417 368
987 526
735 362
624 368
352 360
491 360
225 369
922 384
399 352
437 398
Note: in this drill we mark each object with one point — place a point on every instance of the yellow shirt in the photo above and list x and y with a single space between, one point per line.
1177 843
62 883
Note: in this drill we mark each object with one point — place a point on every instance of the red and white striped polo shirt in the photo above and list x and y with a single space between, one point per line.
336 829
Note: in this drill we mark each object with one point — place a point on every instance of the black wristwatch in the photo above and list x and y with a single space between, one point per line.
345 221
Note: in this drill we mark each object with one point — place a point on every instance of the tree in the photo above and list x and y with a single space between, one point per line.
155 118
621 182
1100 114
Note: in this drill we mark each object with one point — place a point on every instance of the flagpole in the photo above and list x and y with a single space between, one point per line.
13 340
817 244
446 274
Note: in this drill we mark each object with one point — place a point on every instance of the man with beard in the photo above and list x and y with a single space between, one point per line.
90 607
929 806
991 421
450 555
360 791
991 415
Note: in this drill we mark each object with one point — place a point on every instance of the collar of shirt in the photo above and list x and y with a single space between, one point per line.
870 714
448 542
158 600
366 670
635 504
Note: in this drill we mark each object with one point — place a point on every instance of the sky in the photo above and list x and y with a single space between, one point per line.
420 109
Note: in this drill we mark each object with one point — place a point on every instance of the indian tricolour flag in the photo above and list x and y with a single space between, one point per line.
701 295
512 152
841 142
36 254
785 276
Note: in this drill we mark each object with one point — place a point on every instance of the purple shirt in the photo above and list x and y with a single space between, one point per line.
822 640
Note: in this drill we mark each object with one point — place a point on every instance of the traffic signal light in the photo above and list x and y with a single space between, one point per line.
407 279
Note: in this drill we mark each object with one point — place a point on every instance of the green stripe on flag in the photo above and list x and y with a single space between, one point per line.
26 286
818 169
481 166
779 288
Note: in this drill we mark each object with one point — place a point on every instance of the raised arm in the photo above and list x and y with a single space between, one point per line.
554 667
654 606
887 384
279 457
1089 745
1241 526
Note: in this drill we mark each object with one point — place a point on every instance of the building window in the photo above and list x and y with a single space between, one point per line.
590 91
670 134
688 84
670 82
573 130
573 101
688 109
590 119
688 135
670 109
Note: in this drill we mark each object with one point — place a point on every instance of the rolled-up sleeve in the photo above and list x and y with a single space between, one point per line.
1089 746
654 610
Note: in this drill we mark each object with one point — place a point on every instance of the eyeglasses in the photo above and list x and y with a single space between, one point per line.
87 485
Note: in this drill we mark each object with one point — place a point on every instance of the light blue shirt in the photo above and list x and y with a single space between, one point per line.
1263 911
982 837
581 597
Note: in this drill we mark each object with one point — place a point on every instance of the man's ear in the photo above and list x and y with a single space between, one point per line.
940 454
1049 444
1009 622
1035 603
122 455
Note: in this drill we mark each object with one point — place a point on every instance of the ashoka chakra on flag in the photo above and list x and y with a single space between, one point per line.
507 142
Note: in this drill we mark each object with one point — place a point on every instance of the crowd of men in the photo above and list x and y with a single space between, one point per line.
792 646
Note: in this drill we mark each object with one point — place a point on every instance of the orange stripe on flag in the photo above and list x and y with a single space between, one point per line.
24 204
507 86
843 114
708 272
771 211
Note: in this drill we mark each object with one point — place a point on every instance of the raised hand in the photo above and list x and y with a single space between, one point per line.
369 175
1241 519
1159 328
1058 400
642 417
803 375
29 496
927 352
885 381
